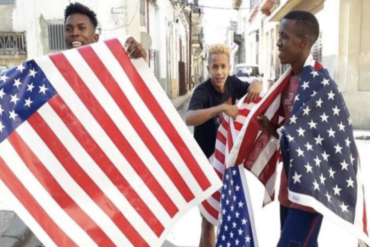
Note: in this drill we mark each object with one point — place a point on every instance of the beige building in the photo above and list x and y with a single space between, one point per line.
343 46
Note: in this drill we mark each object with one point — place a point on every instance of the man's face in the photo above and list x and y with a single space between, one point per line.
289 43
79 31
219 68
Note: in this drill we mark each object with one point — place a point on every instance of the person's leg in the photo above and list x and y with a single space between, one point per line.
301 229
208 236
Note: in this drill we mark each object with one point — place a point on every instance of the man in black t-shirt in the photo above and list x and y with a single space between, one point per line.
210 101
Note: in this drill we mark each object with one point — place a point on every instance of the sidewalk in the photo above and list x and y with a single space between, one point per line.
13 232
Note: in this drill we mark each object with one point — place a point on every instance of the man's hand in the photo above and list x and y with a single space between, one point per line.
135 49
231 110
266 125
254 91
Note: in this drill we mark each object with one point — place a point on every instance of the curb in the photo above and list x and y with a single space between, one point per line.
16 233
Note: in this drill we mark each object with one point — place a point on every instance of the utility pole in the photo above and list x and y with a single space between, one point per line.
190 42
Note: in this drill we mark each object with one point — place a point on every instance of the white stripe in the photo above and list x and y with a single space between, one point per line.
220 146
156 130
264 157
39 193
219 166
214 203
23 213
271 111
222 130
270 185
359 210
104 142
129 132
79 154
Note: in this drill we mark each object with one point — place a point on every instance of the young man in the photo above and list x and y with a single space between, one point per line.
299 30
210 100
80 29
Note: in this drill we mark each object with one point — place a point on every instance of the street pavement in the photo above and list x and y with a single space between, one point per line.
186 231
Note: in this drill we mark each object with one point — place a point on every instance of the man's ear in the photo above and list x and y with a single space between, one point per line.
96 37
305 41
208 68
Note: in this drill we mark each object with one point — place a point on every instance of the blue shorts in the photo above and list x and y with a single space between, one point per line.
299 228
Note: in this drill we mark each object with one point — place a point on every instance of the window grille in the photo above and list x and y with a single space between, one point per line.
317 49
13 43
56 37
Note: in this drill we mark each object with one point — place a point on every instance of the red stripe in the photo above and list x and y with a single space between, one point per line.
113 132
125 105
244 112
364 216
238 126
217 196
221 137
83 180
158 113
33 207
50 184
225 124
219 156
270 169
210 210
100 158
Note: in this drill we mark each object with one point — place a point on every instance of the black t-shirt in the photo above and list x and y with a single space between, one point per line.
205 96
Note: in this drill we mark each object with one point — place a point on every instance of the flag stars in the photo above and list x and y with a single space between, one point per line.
17 83
317 161
331 95
312 124
244 221
248 239
240 231
314 73
341 126
344 208
319 140
43 89
301 131
348 142
1 110
325 82
237 188
3 78
306 111
20 68
319 103
325 156
296 98
12 115
305 85
297 178
336 111
328 196
331 132
290 138
338 149
324 117
352 159
316 186
332 172
309 168
14 99
350 183
344 165
2 94
33 73
309 146
337 190
30 87
28 102
293 119
322 179
1 126
300 152
240 204
314 93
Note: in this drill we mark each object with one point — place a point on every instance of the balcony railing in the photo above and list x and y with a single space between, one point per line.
13 43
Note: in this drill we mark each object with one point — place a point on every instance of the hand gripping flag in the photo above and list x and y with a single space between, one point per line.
92 152
317 146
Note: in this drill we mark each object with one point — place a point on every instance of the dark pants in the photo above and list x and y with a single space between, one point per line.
299 228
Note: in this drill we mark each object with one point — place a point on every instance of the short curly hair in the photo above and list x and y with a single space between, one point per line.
307 24
77 8
218 49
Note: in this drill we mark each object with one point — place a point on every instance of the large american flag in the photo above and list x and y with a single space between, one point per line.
318 145
92 152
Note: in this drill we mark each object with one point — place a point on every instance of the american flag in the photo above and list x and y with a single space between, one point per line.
236 226
92 152
318 144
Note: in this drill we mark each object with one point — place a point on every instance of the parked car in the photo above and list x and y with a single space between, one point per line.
247 72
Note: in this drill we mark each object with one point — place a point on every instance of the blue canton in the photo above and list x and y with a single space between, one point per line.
23 90
318 147
235 224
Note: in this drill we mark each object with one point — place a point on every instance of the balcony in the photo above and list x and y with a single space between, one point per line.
13 44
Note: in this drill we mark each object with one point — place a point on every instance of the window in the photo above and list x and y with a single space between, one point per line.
56 37
13 43
6 2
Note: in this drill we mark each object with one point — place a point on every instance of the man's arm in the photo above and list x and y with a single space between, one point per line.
266 125
198 117
135 49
